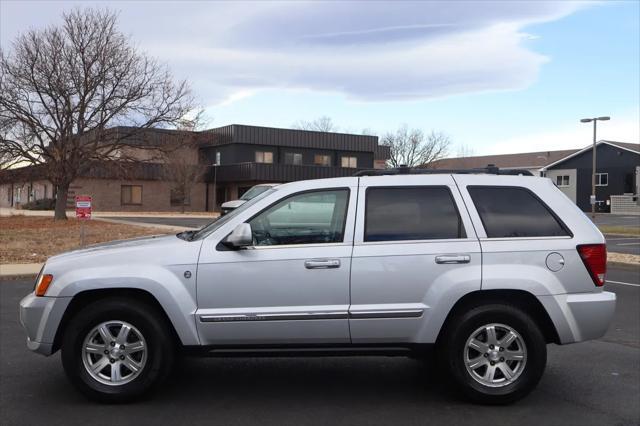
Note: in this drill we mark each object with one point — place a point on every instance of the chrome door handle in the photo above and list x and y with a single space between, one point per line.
322 263
455 258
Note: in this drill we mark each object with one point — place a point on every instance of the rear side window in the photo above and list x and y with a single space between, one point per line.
411 213
508 212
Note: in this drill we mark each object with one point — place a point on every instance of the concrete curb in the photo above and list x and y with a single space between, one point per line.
17 269
96 214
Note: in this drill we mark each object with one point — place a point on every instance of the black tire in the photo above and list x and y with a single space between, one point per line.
160 349
454 345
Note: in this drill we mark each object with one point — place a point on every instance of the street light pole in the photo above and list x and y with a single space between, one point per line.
593 158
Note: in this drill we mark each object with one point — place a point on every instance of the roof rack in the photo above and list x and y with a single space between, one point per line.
491 169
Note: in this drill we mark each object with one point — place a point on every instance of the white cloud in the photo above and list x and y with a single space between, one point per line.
623 127
368 51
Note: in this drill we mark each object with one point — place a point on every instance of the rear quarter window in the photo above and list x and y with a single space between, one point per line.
511 212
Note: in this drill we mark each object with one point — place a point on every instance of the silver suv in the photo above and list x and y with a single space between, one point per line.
486 269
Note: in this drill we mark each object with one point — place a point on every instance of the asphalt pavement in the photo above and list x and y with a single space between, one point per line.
591 383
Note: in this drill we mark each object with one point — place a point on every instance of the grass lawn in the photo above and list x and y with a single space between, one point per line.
622 230
25 239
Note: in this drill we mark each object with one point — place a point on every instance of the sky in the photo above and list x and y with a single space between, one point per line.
497 77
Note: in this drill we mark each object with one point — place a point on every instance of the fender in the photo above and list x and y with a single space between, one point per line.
176 295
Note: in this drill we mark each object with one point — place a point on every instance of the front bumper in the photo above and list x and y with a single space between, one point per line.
580 316
40 317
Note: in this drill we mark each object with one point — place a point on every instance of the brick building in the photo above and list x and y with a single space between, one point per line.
231 159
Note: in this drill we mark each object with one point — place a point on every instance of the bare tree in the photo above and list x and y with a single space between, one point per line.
182 167
464 151
321 124
63 87
411 147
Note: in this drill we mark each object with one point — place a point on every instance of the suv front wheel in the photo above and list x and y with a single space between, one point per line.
496 353
115 350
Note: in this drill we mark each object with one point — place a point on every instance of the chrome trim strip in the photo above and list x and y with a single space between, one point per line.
274 316
300 316
404 313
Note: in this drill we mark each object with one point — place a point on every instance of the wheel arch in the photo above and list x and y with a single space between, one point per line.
87 297
520 299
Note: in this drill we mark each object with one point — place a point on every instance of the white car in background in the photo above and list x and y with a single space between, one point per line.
251 193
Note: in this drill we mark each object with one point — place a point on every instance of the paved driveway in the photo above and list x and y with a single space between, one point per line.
186 222
592 383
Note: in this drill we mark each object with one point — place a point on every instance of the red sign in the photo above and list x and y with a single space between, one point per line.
83 207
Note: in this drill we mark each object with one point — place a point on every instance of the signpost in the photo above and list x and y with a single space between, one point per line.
83 212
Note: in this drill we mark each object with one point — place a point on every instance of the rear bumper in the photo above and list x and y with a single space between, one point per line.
40 318
580 316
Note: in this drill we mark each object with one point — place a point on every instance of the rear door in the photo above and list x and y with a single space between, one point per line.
415 254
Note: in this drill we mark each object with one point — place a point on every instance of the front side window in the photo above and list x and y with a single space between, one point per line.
562 180
264 157
308 218
293 158
131 194
602 179
508 212
351 162
322 160
411 213
218 158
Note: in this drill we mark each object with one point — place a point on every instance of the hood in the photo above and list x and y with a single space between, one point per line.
160 249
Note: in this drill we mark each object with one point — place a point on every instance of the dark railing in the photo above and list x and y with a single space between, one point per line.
275 172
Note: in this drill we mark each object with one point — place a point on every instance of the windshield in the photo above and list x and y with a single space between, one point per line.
254 192
208 229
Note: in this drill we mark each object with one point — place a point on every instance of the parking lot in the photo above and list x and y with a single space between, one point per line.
591 383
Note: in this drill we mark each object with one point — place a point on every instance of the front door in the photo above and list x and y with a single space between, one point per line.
292 287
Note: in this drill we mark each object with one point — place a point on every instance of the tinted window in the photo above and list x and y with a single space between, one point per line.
308 218
514 212
411 213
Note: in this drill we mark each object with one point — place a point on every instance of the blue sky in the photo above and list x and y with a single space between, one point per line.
498 77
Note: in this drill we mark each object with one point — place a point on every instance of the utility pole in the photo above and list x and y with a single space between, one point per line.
593 157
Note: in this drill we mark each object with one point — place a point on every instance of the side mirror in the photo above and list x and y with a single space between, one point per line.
241 237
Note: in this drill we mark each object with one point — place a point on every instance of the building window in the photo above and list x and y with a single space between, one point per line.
131 195
602 179
351 162
293 158
322 160
264 157
18 194
218 158
179 197
562 180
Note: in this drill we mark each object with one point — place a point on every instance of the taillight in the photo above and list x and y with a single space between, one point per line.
594 257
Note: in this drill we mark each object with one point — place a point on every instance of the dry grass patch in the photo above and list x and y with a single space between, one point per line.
28 239
620 230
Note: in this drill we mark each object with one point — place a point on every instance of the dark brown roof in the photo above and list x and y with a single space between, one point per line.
239 133
632 146
507 161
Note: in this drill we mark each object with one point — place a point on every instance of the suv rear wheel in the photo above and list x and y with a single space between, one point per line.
496 354
115 350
